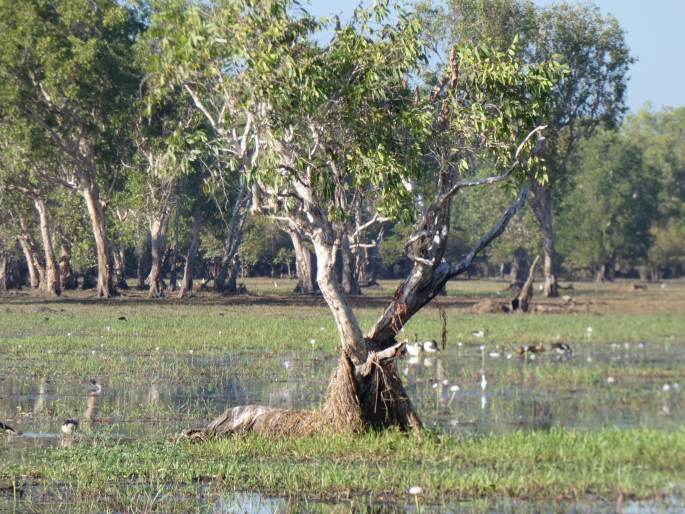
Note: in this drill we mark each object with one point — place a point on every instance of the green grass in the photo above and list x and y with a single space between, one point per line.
555 464
183 347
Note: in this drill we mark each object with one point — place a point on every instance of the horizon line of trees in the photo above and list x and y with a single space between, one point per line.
113 167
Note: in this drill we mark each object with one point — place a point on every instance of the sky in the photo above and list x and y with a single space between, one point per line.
655 33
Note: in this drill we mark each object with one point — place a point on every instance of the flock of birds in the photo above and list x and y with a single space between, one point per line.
416 348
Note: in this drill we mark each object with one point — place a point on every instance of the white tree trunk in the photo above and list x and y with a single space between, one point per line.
52 285
105 283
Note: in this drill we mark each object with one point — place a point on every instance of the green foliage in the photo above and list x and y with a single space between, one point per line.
608 215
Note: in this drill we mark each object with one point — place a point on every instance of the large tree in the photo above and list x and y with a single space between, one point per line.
606 218
320 122
68 67
592 45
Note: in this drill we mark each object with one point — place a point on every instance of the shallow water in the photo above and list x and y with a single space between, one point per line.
200 499
465 389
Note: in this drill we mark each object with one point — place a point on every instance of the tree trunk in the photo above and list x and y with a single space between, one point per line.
522 300
542 208
52 285
303 262
4 261
187 282
365 390
174 255
158 228
519 268
105 282
143 253
119 261
349 280
606 272
28 247
67 279
226 277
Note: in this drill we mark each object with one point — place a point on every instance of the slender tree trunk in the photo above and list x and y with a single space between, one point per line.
606 272
226 277
542 208
28 248
174 255
303 262
349 280
4 261
187 282
143 252
158 228
119 262
105 282
67 279
519 268
52 285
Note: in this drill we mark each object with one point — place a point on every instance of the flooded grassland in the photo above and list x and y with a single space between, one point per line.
595 428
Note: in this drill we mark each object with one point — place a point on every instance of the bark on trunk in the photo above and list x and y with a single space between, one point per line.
303 262
158 228
52 285
350 284
519 268
187 282
28 248
119 261
105 281
606 272
143 254
4 261
542 208
227 275
522 301
67 279
173 261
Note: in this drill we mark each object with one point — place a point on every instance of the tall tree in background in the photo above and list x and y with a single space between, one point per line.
607 216
68 66
660 136
592 94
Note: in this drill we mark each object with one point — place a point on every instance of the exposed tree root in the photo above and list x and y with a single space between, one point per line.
370 396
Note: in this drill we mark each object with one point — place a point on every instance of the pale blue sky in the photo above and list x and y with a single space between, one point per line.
655 32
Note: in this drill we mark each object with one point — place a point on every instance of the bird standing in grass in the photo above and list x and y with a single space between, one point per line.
6 429
69 426
533 348
562 349
430 346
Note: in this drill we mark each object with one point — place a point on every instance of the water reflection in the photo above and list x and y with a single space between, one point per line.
464 389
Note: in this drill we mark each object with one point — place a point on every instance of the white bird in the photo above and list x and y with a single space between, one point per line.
478 333
430 346
69 426
413 349
483 382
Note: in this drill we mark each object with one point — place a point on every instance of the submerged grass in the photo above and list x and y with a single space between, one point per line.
67 342
555 464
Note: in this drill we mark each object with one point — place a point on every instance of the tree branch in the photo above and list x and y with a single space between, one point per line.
494 232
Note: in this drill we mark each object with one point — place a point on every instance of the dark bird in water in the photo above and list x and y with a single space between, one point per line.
533 348
8 429
122 318
562 348
69 426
